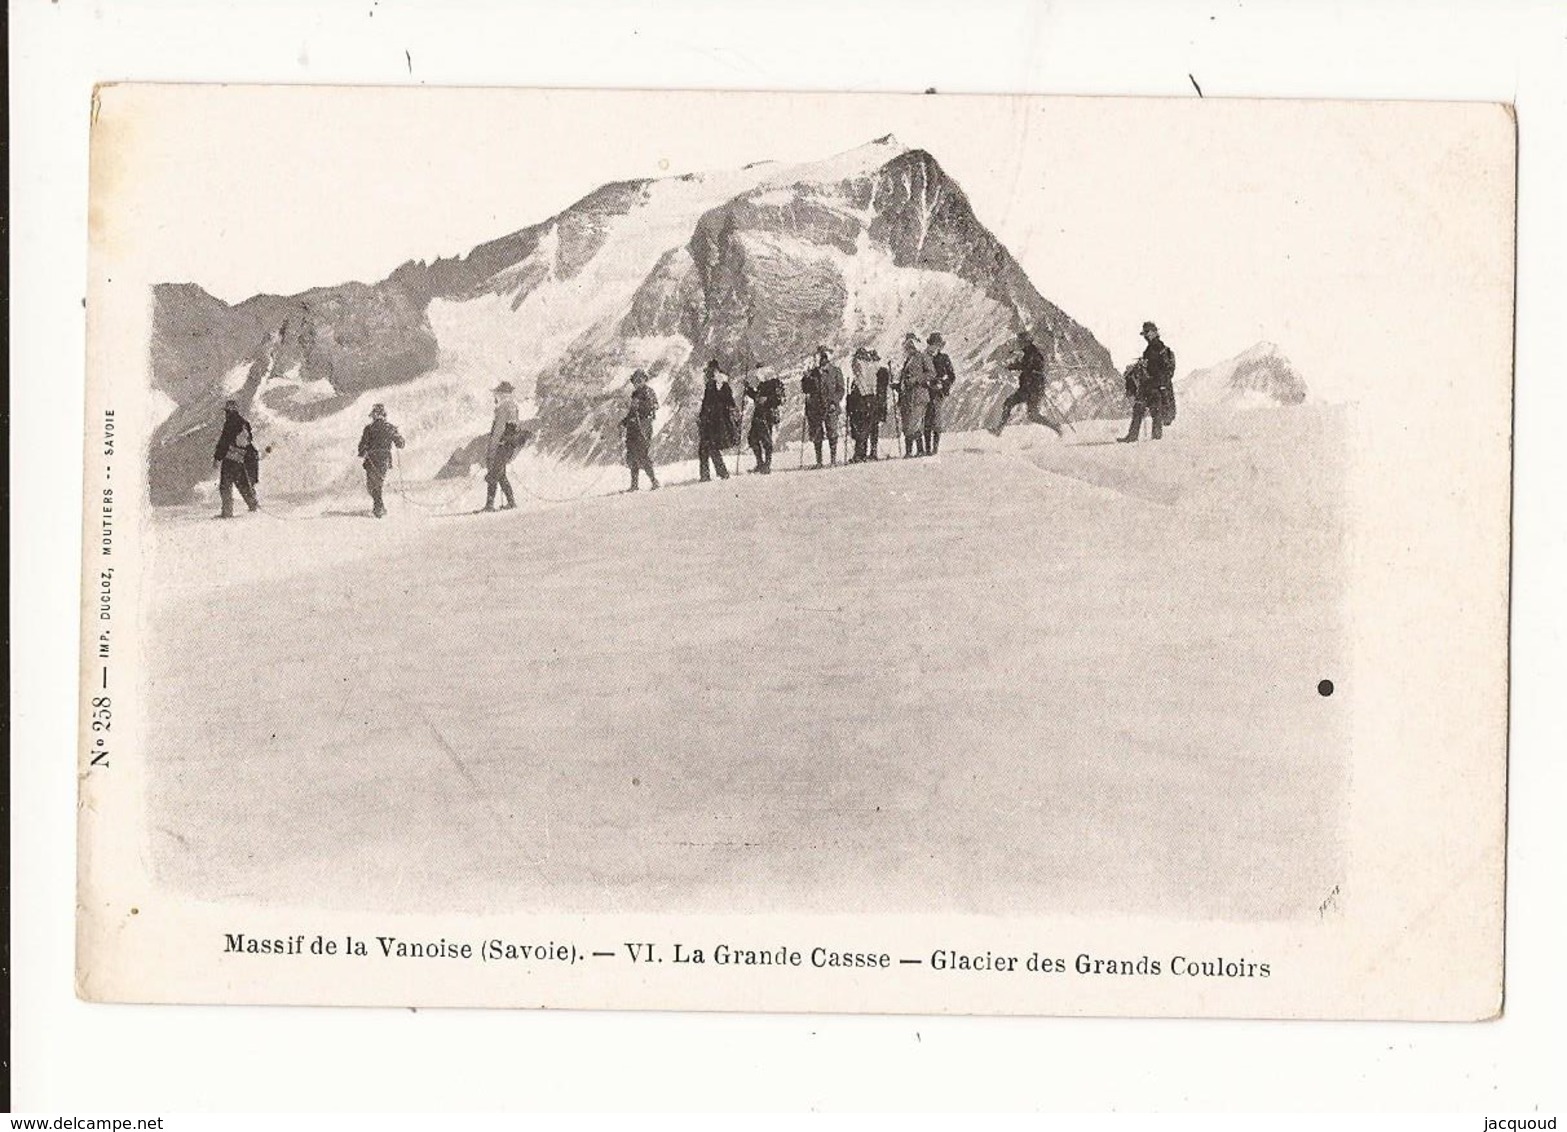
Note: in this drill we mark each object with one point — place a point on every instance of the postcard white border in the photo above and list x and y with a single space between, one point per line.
1186 1063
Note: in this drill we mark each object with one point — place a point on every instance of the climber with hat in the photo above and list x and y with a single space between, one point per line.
638 425
861 403
823 389
914 382
716 422
237 461
375 449
941 384
1150 382
768 393
1030 364
505 439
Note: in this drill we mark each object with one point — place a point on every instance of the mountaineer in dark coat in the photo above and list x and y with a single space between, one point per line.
823 389
769 397
1150 382
638 423
375 449
237 461
715 423
914 382
943 379
1030 364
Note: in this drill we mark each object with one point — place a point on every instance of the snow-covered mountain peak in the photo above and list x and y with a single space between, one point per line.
860 161
1257 377
757 265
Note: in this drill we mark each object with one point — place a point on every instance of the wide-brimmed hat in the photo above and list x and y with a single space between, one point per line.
936 339
638 376
1149 328
378 410
505 387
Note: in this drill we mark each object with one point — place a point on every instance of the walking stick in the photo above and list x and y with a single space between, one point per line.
740 435
1044 393
805 425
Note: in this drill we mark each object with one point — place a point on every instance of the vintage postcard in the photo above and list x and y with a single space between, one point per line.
827 552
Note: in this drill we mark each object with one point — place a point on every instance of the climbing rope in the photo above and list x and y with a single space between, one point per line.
401 488
596 483
298 517
263 509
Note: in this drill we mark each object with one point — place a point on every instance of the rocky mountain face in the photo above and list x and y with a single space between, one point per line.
1259 377
755 267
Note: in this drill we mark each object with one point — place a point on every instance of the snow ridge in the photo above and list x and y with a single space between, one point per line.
1257 377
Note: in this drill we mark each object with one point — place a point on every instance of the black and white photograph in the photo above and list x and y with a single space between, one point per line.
986 554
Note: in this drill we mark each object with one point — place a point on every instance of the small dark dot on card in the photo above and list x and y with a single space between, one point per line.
1324 687
636 782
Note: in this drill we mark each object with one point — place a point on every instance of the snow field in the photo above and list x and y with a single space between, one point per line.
1028 675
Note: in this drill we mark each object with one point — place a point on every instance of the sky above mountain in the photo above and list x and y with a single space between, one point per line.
1229 222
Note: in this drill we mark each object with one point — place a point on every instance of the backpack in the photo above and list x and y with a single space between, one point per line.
1134 378
238 447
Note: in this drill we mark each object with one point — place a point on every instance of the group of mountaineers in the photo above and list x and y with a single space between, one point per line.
917 394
